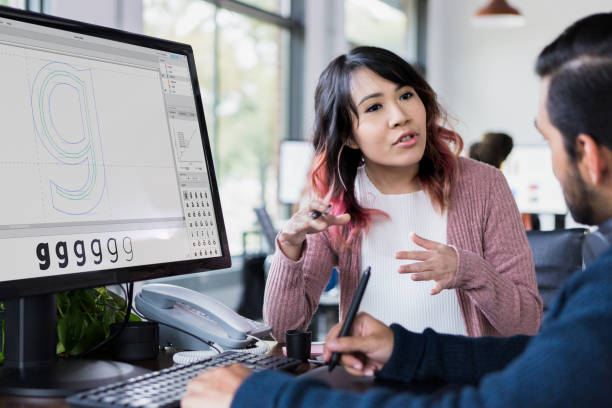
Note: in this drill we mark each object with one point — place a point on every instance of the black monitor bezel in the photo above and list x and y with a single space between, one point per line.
63 282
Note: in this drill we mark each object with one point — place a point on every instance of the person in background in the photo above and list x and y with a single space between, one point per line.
569 362
474 151
399 193
494 149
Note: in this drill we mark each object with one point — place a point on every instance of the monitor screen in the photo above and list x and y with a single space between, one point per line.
105 165
106 177
528 170
295 158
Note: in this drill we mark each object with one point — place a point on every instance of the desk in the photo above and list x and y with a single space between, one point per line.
164 360
341 379
338 379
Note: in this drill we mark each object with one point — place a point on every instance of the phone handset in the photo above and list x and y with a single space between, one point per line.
165 296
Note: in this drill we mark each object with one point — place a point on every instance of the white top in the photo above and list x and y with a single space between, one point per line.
393 297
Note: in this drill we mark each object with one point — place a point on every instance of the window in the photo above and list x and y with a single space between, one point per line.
242 65
281 7
389 24
191 22
249 116
13 3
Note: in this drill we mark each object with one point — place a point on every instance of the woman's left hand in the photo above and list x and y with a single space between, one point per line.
215 387
438 263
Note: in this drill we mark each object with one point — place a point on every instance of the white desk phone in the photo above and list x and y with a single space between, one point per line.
192 312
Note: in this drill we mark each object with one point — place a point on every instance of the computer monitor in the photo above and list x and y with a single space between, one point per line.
528 170
295 158
106 176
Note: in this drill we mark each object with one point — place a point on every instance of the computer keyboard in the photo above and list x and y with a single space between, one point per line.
165 388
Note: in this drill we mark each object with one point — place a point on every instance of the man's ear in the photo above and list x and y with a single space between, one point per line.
592 158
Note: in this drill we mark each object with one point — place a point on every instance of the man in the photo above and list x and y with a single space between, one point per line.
569 363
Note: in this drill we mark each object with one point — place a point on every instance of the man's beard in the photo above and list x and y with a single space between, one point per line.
579 197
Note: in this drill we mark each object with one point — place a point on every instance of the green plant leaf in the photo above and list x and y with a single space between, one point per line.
92 335
85 316
71 328
63 303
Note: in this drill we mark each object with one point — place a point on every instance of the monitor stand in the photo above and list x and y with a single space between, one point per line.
31 367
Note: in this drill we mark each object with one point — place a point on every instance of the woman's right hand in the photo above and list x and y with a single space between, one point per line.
292 236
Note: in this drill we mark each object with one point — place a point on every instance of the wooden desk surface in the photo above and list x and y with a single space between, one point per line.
164 360
341 379
338 378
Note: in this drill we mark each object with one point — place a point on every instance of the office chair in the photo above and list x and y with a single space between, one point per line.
253 270
557 254
267 228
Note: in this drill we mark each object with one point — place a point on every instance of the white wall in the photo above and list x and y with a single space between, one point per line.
484 76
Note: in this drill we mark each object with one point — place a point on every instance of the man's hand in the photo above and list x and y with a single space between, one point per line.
215 387
366 350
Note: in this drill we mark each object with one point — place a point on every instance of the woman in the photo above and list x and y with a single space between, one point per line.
493 149
442 233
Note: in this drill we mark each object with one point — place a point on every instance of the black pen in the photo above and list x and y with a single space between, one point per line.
314 214
348 322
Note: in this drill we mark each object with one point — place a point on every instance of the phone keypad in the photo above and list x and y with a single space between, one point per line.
201 223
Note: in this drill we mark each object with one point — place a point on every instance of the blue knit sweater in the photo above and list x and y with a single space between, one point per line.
568 364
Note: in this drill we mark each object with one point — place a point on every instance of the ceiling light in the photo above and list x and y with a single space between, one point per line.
498 13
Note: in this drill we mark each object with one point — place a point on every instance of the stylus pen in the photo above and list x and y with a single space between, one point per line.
314 214
348 322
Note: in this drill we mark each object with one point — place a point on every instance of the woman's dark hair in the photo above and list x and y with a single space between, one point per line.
579 64
334 167
493 149
474 151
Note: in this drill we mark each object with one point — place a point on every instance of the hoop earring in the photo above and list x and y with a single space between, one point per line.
338 167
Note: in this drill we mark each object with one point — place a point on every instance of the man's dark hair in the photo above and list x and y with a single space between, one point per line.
579 64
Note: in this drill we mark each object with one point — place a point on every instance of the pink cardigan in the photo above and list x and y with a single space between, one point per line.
495 279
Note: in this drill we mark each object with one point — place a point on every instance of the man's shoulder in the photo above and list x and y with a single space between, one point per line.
586 293
601 266
596 278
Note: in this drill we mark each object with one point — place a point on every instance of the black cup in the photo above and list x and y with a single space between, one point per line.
298 344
